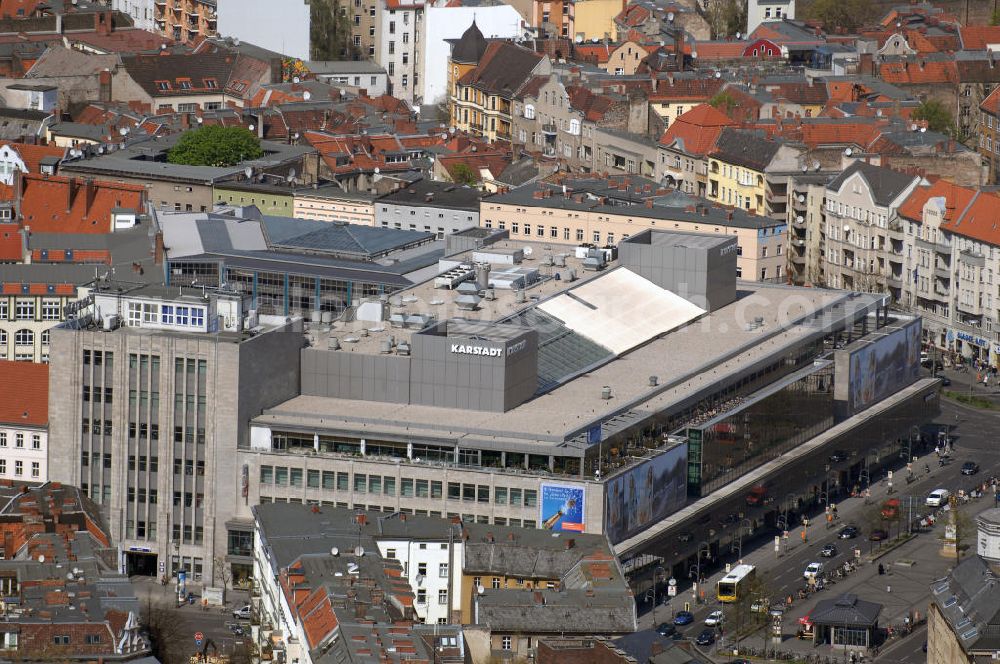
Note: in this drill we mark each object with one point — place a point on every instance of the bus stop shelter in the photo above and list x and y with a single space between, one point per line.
846 622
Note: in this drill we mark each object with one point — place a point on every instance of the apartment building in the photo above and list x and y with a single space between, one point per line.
185 21
751 172
952 254
151 389
685 144
483 98
605 211
806 229
988 131
399 31
142 12
331 203
863 241
442 208
24 421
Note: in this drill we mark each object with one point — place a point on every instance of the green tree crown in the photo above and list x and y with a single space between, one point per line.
215 146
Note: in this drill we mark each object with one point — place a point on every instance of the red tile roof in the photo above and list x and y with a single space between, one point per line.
11 244
978 37
17 8
32 155
956 200
24 393
992 103
697 130
720 50
686 89
596 53
57 204
633 16
593 106
919 73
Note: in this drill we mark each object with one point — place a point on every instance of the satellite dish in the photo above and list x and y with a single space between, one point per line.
41 558
250 127
528 251
248 171
739 35
377 170
334 552
816 165
480 589
343 93
670 16
291 173
306 96
923 129
718 74
694 55
847 228
123 131
295 80
359 551
848 152
804 168
579 39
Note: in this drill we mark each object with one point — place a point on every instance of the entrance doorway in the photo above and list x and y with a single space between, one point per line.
140 563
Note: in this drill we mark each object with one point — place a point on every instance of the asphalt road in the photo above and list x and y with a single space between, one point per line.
974 436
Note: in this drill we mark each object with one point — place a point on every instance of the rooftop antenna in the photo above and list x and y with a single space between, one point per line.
306 96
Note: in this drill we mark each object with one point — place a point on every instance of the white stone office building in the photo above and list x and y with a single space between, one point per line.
399 31
151 390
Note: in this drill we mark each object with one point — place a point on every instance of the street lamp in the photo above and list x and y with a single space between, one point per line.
749 525
706 547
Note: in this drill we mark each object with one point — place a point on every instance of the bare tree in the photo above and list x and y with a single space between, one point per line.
221 571
166 632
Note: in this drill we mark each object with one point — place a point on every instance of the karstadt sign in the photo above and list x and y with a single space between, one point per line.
487 351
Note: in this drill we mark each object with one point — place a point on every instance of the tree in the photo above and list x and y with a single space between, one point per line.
936 115
463 174
966 530
726 17
841 15
167 633
215 146
330 31
723 101
223 572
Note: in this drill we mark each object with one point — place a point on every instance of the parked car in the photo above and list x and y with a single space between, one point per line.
714 619
945 381
848 532
813 570
828 550
706 638
970 468
666 629
938 497
683 618
242 613
877 535
839 455
760 605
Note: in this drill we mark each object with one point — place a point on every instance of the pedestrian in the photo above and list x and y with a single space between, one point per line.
888 589
881 569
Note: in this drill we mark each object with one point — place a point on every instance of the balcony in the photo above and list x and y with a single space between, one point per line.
972 259
894 281
942 272
797 258
549 129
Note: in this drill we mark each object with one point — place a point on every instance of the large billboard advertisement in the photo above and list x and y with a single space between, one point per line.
646 493
562 507
883 367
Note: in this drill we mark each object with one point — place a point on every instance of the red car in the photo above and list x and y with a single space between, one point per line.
756 495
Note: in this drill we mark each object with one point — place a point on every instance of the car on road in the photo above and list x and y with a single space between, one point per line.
839 455
970 468
242 613
945 381
848 532
683 618
666 629
706 638
828 550
890 509
938 497
757 495
877 535
813 570
714 618
760 605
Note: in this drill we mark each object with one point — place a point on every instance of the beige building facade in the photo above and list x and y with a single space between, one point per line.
331 203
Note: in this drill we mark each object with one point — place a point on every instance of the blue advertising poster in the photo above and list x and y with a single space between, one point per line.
562 507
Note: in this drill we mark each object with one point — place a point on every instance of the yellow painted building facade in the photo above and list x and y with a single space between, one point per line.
595 19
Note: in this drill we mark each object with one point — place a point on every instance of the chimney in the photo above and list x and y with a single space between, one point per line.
510 537
104 79
362 519
570 543
90 192
158 248
649 202
102 23
185 121
70 193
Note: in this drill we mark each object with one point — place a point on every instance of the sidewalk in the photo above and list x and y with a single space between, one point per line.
964 382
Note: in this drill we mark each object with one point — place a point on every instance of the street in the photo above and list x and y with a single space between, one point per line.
910 568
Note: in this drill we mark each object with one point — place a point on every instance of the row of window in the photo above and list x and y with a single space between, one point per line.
386 485
140 313
19 438
24 309
18 468
467 518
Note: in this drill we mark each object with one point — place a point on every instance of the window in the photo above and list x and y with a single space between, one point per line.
505 641
35 469
443 570
36 441
421 596
24 338
18 467
61 639
443 597
529 112
19 440
24 309
51 310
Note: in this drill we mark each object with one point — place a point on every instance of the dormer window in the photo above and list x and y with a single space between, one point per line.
163 85
184 83
210 83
